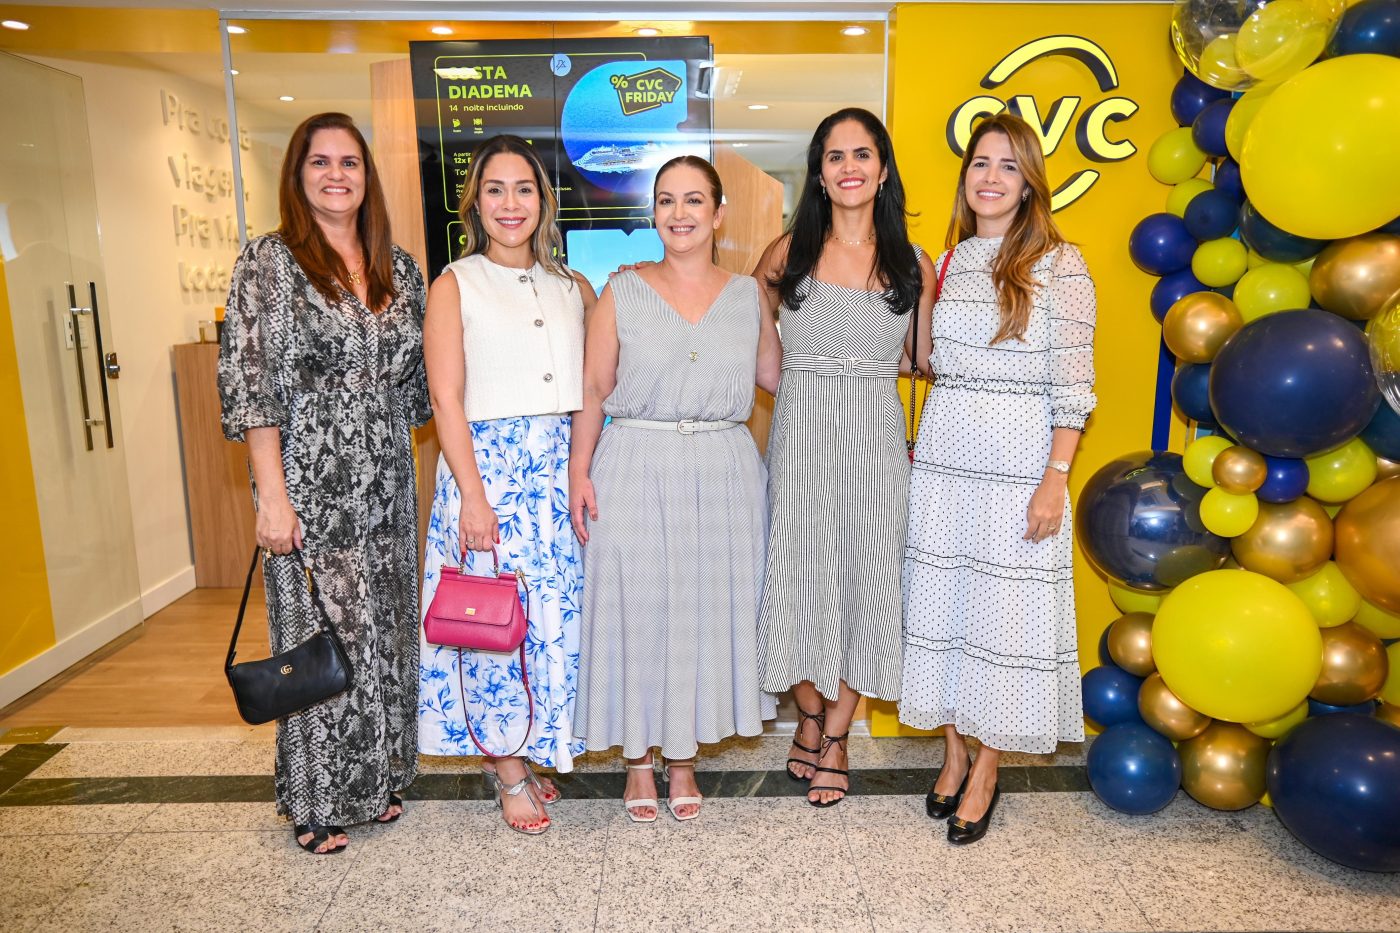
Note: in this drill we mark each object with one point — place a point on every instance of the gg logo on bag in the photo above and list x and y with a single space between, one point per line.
286 669
1091 130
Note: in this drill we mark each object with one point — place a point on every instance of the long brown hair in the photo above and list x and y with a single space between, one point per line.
303 236
1032 233
546 243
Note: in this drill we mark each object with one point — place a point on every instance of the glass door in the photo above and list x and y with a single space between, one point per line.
69 371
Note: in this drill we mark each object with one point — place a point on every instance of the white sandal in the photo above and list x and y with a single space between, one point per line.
630 806
672 803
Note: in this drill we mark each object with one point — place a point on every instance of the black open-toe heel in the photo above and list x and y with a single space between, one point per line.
827 742
941 806
394 801
962 832
320 835
803 716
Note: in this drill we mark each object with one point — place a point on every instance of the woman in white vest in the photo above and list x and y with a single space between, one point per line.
503 342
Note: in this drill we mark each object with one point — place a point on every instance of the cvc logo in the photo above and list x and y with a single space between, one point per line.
1091 129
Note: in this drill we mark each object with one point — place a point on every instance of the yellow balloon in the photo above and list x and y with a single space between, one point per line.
1341 473
1237 646
1281 725
1199 459
1368 543
1354 666
1224 766
1385 624
1314 136
1227 513
1132 601
1329 597
1270 287
1267 801
1357 278
1219 65
1282 38
1197 326
1218 263
1175 157
1389 712
1289 541
1390 693
1241 115
1183 193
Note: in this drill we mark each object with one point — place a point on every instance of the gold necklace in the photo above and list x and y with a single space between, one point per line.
861 242
355 277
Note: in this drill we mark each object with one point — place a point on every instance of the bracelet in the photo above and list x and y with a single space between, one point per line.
1059 466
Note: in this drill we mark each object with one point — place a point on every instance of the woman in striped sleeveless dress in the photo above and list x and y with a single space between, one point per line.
847 277
668 499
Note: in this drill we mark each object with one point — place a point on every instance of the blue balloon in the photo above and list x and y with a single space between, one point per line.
1335 785
1133 769
1392 227
1104 656
1139 523
1227 180
1370 27
1287 480
1191 391
1273 243
1208 129
1382 434
1172 288
1227 290
1160 244
1294 383
1110 696
1212 215
1190 96
1319 708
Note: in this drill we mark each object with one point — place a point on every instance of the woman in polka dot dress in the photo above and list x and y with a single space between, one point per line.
989 644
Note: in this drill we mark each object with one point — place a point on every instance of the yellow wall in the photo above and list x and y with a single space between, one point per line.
943 56
28 630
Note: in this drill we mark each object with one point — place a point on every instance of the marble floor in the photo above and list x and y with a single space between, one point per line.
173 829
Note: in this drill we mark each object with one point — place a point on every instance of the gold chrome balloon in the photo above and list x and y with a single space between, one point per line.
1289 541
1223 767
1357 277
1163 710
1239 470
1390 713
1130 643
1387 469
1368 543
1354 666
1197 326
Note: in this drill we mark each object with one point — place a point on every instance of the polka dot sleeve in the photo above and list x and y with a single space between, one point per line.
1073 312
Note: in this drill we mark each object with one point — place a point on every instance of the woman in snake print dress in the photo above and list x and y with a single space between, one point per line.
321 373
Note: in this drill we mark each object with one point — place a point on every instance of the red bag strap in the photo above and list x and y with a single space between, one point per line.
942 274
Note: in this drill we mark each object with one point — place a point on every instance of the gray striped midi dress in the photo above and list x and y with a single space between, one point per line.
838 491
673 567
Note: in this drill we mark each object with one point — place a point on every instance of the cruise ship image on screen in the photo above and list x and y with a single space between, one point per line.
618 159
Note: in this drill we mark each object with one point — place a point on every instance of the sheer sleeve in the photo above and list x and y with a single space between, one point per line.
414 390
253 366
1072 323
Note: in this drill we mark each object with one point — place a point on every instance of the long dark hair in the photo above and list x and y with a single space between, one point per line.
302 234
896 269
545 243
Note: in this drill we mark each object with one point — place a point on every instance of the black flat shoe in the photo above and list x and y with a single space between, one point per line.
320 835
939 806
961 832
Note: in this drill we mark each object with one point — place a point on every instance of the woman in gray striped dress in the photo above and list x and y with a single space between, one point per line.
847 277
668 499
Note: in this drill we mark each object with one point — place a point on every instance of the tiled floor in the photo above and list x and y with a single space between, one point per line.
174 830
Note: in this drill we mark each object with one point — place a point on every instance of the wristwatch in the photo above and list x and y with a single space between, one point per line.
1059 466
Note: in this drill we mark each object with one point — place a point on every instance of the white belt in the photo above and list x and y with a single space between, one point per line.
841 366
683 427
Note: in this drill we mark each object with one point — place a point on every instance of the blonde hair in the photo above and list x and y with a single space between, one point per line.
1032 233
546 243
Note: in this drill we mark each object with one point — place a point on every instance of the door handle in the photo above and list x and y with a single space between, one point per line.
114 368
104 364
74 316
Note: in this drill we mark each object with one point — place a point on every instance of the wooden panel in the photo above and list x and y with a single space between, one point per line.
216 472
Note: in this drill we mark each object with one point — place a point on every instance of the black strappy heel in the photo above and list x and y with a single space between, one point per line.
827 742
320 835
803 717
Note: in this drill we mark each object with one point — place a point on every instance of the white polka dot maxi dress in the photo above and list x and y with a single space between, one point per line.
989 630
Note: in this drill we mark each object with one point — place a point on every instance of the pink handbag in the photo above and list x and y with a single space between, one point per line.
481 614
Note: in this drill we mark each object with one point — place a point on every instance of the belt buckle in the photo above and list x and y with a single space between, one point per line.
686 427
848 366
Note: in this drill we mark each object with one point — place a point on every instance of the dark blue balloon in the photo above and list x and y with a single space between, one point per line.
1382 435
1227 290
1273 243
1190 96
1227 180
1392 227
1133 769
1172 288
1139 523
1191 391
1212 215
1208 129
1370 27
1287 480
1319 708
1110 696
1104 656
1335 784
1160 244
1294 383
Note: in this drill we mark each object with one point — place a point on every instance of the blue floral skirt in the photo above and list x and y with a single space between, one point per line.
524 464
